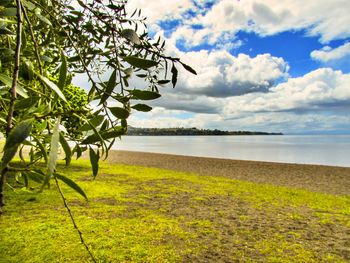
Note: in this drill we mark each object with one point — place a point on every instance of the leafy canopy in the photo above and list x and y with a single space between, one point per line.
44 44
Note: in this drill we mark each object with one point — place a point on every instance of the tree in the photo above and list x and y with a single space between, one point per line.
44 45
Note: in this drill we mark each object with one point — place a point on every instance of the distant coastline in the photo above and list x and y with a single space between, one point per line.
132 131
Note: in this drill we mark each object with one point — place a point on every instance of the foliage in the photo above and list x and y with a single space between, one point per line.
43 46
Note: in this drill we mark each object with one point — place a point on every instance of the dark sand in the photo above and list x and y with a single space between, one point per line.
317 178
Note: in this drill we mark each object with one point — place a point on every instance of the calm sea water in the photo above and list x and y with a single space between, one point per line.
308 149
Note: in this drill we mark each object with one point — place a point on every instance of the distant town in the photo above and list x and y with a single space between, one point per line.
132 131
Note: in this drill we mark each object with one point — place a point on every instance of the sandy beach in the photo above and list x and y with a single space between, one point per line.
317 178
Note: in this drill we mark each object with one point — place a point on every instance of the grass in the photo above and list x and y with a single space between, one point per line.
138 214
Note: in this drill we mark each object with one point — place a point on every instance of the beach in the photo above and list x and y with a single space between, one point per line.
316 178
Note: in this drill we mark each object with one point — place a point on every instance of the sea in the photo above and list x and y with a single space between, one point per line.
331 150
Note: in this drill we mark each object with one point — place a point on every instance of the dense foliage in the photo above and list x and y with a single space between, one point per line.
44 44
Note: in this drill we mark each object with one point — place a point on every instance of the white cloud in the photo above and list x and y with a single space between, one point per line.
319 100
327 54
319 90
221 74
326 19
156 10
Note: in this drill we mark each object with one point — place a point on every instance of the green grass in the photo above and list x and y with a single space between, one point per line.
138 214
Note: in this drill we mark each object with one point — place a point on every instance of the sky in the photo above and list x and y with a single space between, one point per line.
272 65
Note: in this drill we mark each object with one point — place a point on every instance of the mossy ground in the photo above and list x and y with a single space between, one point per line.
138 214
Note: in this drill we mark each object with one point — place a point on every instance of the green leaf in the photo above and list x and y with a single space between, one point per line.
16 136
35 176
115 7
26 103
8 82
66 148
8 155
52 86
63 72
79 150
43 19
5 31
162 82
140 62
174 73
41 126
95 122
131 35
188 68
11 11
27 70
144 94
120 113
19 133
106 135
94 158
8 21
71 184
142 107
29 5
42 149
110 86
51 164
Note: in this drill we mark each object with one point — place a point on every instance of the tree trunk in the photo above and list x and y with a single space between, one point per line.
2 189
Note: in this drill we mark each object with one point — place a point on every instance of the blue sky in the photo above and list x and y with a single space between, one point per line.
273 65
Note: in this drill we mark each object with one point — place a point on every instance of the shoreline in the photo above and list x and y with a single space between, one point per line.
316 178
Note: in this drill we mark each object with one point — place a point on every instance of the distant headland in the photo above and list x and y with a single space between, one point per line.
132 131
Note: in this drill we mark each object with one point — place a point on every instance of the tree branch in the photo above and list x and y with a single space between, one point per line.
16 68
73 221
13 97
36 46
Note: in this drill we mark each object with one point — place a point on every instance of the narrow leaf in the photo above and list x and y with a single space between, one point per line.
174 73
63 72
164 81
42 149
26 103
188 68
110 86
95 122
8 82
8 21
120 113
5 31
19 133
144 94
35 176
94 158
140 62
52 86
142 107
106 135
66 148
11 11
43 19
51 164
71 184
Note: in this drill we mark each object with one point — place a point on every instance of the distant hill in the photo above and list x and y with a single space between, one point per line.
189 131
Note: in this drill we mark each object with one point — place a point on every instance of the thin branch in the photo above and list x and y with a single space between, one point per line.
13 97
73 221
36 46
16 68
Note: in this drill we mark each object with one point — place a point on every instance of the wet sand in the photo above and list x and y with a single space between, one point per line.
317 178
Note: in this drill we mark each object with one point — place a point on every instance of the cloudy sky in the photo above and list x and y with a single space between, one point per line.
272 65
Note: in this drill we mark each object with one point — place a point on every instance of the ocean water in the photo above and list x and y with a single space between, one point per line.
306 149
